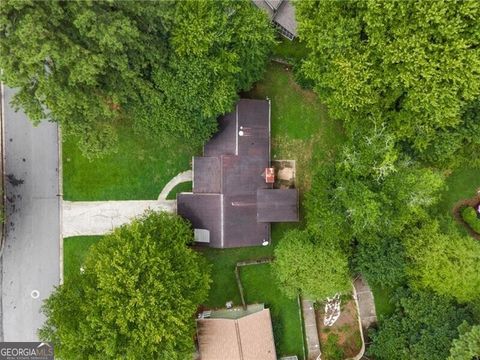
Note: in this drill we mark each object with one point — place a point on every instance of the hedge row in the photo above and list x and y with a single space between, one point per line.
469 215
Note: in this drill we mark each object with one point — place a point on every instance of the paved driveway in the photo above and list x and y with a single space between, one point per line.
31 256
101 217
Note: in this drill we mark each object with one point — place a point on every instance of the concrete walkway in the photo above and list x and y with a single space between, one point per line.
101 217
180 178
311 333
365 302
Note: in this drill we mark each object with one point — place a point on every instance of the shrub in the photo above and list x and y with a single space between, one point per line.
469 215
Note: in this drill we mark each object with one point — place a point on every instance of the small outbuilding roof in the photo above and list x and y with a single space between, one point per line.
247 338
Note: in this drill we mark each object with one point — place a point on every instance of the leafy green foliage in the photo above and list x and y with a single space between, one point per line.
456 146
169 67
422 328
409 65
136 298
331 350
469 215
300 262
467 346
371 207
382 261
444 263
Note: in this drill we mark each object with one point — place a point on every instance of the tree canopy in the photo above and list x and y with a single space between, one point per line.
409 65
169 68
303 266
136 298
467 346
446 263
422 328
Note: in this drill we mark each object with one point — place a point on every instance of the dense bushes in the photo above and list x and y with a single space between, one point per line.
469 215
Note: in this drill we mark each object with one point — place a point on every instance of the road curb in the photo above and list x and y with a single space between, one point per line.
4 195
2 165
60 198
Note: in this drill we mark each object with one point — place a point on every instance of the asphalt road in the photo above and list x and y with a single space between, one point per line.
31 256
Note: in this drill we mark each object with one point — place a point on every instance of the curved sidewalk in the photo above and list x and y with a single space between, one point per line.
180 178
101 217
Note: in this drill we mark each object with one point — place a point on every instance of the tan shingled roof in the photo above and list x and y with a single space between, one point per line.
247 338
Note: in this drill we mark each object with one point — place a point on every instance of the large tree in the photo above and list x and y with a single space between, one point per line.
168 67
371 199
446 263
467 346
381 260
411 65
422 328
304 266
136 298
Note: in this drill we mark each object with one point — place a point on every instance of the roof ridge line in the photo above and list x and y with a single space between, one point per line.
239 339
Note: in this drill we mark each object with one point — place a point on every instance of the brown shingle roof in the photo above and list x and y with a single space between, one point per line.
233 168
247 338
277 205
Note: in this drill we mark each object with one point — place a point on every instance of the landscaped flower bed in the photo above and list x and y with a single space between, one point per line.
470 216
343 339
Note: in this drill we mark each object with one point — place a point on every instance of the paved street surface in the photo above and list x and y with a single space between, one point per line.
31 256
101 217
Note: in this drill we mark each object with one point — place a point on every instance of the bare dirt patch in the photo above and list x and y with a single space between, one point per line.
345 329
302 152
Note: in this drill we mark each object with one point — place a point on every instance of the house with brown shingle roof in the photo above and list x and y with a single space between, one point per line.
247 337
233 200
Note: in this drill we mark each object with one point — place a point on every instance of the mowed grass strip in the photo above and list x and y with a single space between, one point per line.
138 170
182 187
75 249
383 304
462 183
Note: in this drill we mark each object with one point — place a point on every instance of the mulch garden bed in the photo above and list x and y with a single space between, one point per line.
457 209
345 330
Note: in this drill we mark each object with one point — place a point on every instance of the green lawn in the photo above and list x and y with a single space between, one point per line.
139 169
224 288
182 187
382 296
257 282
461 184
290 50
74 252
301 128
